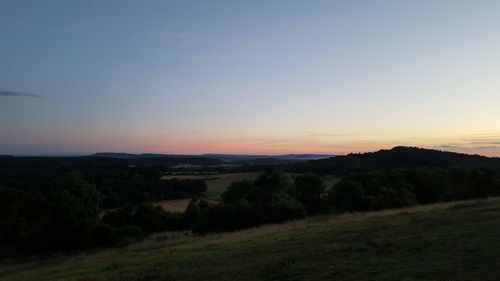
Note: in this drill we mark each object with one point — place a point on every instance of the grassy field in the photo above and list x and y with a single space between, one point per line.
216 187
218 183
452 241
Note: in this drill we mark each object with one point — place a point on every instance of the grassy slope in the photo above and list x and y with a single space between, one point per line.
453 241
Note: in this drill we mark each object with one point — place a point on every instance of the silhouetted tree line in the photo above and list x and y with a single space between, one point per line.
391 159
60 221
272 198
118 182
69 217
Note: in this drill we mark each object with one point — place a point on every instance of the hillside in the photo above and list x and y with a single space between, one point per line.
396 158
451 241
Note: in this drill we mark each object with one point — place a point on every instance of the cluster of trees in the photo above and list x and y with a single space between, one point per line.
399 188
269 199
272 198
145 219
119 182
70 216
63 220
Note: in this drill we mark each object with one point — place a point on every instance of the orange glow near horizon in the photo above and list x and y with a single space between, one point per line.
177 144
89 142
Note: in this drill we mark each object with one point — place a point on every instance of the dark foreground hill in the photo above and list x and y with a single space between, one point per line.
452 241
396 158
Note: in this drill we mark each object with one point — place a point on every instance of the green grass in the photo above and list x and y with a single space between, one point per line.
218 186
452 241
218 183
330 181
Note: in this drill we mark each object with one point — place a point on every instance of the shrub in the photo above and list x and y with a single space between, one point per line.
103 235
225 217
117 218
309 190
149 218
394 198
348 196
284 210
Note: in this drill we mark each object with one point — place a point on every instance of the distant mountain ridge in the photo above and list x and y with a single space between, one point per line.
78 161
240 159
385 159
122 155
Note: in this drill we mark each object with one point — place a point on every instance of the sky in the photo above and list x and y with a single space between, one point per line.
252 77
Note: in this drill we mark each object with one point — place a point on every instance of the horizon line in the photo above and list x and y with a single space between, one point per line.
230 154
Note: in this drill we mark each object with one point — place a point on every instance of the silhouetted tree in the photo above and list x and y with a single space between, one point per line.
310 191
348 196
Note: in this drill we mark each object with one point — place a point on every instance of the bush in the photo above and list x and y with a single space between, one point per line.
103 235
177 221
348 196
394 198
129 231
237 191
310 191
149 218
117 218
284 210
225 217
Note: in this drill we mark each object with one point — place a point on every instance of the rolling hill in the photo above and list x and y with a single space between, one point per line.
451 241
396 158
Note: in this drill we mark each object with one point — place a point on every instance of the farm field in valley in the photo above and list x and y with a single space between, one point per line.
218 183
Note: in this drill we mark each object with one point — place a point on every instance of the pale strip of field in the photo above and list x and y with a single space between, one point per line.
178 205
212 176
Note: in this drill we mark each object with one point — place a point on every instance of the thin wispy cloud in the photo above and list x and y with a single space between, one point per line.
491 150
18 94
449 147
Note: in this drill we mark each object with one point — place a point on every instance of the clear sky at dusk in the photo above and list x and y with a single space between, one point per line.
248 76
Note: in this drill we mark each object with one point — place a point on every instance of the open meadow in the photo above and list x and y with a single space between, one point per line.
448 241
218 183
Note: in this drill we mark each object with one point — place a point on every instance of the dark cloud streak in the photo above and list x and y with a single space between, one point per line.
18 94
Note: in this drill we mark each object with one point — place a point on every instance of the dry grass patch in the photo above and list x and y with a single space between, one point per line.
179 205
